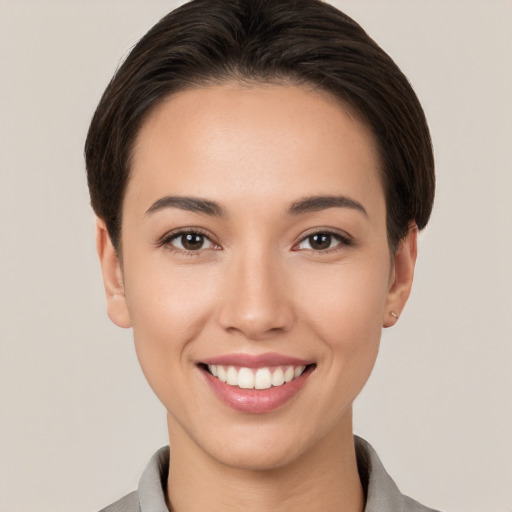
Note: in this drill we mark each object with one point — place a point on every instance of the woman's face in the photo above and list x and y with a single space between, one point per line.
255 250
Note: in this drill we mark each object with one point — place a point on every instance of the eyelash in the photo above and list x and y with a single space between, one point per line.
342 239
168 238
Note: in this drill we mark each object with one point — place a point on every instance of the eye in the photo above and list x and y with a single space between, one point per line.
322 241
190 241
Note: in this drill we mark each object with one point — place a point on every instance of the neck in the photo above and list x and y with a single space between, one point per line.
325 478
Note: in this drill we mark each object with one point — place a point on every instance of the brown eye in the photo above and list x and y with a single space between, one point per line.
320 241
191 241
323 241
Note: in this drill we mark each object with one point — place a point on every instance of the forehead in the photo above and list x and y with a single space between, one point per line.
252 142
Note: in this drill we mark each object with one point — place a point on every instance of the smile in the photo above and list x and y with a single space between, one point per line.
252 378
256 384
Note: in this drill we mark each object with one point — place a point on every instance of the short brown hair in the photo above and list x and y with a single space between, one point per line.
265 41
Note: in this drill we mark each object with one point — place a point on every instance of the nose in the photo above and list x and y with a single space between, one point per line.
256 300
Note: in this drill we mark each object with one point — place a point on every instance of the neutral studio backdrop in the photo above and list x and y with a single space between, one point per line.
77 419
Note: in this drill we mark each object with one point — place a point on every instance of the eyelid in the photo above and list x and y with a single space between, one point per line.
345 240
167 238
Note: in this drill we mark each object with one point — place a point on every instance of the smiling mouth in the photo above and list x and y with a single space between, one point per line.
256 378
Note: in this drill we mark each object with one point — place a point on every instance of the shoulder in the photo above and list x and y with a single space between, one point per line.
150 494
382 494
130 503
410 505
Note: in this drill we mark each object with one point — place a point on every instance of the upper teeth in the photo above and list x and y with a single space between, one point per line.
261 378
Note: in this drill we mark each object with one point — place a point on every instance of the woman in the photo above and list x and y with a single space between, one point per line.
259 170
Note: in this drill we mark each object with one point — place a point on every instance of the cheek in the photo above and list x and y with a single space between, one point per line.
348 296
344 308
164 295
168 310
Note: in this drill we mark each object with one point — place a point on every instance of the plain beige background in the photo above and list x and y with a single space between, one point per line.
77 420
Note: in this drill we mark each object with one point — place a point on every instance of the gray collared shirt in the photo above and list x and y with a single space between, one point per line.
382 494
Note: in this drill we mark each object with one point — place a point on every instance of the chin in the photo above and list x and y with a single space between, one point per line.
256 458
261 447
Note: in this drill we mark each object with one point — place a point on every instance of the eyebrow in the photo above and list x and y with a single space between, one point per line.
318 203
305 205
191 204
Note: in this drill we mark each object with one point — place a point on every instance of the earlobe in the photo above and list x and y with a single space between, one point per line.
117 307
404 261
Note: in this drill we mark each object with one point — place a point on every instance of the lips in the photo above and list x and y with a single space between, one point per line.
256 384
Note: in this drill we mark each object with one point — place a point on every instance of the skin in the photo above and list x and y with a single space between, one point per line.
257 285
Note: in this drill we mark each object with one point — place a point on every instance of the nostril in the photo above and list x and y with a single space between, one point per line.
255 302
261 323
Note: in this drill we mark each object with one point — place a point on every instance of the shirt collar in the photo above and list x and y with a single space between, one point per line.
382 494
153 482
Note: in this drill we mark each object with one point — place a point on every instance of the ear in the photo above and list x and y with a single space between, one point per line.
401 277
117 307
